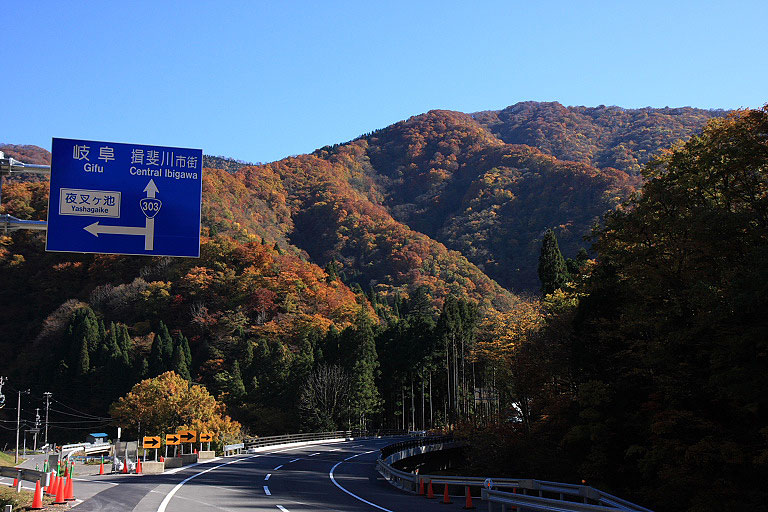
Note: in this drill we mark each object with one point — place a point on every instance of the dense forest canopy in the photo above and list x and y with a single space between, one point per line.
435 274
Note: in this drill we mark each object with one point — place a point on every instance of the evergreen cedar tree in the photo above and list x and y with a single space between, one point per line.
553 272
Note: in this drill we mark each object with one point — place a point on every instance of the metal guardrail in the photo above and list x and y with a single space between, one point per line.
28 475
527 495
258 442
10 166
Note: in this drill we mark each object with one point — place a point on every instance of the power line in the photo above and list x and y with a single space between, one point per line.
84 414
80 416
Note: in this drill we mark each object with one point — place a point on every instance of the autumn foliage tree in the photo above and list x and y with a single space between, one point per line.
168 403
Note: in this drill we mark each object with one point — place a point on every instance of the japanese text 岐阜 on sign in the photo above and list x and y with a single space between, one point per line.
114 198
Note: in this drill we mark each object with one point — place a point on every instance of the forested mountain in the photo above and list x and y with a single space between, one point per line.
443 174
624 139
390 263
647 374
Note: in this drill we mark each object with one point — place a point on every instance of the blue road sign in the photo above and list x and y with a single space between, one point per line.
114 198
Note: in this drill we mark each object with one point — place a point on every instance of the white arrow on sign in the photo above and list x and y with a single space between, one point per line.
148 231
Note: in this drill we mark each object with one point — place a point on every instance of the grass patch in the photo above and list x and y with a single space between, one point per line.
7 460
21 501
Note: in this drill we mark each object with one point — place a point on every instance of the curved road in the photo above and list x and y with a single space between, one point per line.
338 476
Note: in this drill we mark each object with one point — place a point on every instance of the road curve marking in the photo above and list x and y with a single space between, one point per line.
330 474
282 508
294 460
267 477
266 491
278 467
167 499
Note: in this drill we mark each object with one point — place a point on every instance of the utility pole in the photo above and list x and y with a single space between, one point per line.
47 396
37 429
2 396
18 424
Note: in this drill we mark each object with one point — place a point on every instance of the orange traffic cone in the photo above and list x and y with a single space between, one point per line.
15 482
421 487
59 492
468 503
69 490
138 467
446 498
66 470
51 489
37 501
430 492
101 468
125 466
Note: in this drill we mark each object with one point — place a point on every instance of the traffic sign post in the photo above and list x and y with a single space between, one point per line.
114 198
187 436
205 437
171 440
151 442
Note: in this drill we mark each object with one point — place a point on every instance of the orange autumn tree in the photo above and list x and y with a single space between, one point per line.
168 403
501 333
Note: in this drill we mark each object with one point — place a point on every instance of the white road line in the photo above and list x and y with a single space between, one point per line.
173 491
282 508
330 474
267 477
316 453
278 467
294 460
266 491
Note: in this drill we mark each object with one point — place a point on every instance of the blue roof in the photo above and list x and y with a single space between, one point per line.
98 434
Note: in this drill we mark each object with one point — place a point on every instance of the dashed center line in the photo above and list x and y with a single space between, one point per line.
278 467
266 491
282 508
316 453
267 477
294 460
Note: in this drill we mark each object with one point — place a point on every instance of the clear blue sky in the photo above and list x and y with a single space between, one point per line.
262 80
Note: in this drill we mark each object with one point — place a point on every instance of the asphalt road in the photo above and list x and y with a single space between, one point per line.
325 477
